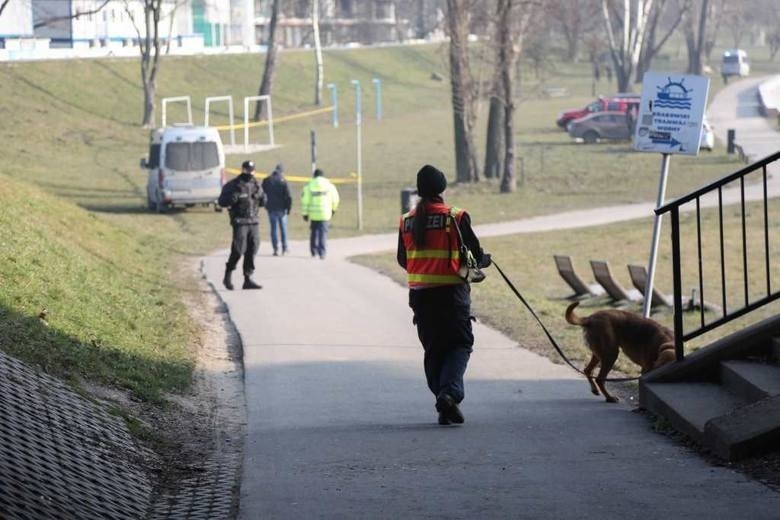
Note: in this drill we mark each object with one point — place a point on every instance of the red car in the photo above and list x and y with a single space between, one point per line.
616 103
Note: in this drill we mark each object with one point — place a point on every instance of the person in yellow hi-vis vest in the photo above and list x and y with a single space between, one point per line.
319 201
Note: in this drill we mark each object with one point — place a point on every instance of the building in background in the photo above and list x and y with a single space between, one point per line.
16 24
342 22
88 23
45 29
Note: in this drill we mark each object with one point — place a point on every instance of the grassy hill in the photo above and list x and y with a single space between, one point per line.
108 314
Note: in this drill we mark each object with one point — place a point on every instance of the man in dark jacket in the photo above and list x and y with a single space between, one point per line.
243 196
278 206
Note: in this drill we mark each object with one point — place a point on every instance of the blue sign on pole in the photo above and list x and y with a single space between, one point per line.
670 114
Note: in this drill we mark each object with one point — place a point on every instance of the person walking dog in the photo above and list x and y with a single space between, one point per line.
243 196
319 201
428 247
278 204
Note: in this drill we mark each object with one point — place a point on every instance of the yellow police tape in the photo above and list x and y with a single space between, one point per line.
299 178
278 119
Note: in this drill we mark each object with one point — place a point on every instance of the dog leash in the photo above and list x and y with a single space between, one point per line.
547 332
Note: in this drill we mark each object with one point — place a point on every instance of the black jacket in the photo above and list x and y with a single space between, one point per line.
243 196
277 193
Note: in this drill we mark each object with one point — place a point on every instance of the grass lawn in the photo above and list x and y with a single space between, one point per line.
527 261
71 129
108 314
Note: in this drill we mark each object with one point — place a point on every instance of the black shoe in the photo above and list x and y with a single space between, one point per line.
250 284
276 253
447 407
227 282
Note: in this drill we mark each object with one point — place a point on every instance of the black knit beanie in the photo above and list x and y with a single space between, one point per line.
430 181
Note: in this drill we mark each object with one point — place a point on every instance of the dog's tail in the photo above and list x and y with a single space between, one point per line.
573 318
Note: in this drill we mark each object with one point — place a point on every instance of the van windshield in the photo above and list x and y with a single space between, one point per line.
191 156
731 59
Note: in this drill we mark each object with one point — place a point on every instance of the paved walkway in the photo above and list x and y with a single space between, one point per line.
341 425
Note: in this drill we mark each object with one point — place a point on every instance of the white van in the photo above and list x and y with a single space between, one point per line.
734 63
186 167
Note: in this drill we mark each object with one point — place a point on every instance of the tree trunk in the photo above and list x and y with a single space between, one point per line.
149 45
462 102
632 26
320 74
650 49
149 112
695 37
266 84
494 144
506 62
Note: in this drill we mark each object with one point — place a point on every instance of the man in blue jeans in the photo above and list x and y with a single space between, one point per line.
278 204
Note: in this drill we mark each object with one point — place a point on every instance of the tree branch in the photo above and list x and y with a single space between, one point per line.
2 7
61 18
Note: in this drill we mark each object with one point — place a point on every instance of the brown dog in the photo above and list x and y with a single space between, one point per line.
644 341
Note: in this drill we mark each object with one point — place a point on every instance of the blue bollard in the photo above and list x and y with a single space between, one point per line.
378 91
334 99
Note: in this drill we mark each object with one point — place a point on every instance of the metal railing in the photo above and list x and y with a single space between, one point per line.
705 196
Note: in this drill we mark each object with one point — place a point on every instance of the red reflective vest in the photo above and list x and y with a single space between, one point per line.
437 262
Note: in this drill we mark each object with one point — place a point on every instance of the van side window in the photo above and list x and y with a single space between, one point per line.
613 105
154 156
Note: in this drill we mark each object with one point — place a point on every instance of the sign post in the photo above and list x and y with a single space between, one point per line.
668 122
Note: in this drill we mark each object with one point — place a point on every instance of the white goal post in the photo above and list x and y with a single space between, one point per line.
178 99
229 100
269 122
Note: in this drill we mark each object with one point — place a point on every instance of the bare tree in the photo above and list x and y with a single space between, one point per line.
769 21
574 18
513 18
626 28
650 48
738 19
695 20
270 62
315 22
463 110
149 45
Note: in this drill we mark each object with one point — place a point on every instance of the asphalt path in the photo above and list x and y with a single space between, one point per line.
341 425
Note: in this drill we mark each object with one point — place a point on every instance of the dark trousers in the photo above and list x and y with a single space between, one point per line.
318 238
443 319
246 240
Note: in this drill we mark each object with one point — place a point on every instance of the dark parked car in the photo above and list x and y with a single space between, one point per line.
601 125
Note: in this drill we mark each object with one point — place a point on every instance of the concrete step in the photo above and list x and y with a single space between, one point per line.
688 406
749 379
749 430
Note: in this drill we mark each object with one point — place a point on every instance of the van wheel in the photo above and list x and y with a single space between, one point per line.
159 206
590 137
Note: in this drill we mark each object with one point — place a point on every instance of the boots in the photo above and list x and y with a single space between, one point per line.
226 281
250 284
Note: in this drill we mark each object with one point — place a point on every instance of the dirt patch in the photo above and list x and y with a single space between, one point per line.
197 437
